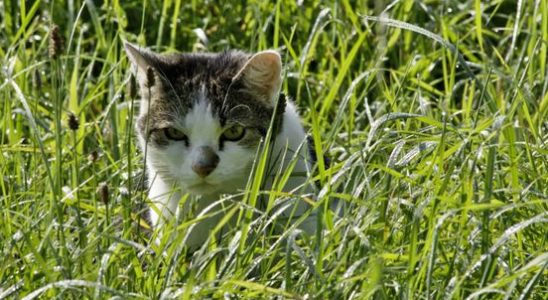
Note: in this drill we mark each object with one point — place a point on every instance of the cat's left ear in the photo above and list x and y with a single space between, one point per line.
142 61
261 75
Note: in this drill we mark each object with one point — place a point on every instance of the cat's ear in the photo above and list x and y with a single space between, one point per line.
142 61
261 75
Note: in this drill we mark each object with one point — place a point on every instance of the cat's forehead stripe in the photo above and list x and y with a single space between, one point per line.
202 94
200 112
202 125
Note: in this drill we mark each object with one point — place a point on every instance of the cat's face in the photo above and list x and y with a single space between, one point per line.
202 116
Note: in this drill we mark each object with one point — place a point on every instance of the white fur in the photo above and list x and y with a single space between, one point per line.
203 129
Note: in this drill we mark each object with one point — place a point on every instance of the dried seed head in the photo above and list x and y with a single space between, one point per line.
102 191
132 88
73 122
150 77
93 156
55 42
37 80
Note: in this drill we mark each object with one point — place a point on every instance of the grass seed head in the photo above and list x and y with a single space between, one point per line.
102 191
93 156
55 42
73 122
150 77
132 88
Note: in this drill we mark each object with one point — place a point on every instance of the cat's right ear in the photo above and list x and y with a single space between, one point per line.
142 61
262 75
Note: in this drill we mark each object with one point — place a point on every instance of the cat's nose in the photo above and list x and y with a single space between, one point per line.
206 161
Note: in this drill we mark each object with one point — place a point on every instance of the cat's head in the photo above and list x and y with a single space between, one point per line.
202 116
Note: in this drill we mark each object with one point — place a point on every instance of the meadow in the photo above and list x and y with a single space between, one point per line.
434 115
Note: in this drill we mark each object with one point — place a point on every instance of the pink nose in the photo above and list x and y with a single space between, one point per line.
206 161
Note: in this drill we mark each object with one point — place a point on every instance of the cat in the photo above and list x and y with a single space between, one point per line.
202 117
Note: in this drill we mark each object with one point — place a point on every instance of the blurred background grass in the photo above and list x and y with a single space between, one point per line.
434 113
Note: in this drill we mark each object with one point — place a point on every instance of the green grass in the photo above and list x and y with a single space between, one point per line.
435 114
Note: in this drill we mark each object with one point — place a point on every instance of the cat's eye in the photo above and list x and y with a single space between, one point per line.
233 133
174 134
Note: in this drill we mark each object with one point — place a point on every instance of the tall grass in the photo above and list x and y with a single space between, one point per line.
434 115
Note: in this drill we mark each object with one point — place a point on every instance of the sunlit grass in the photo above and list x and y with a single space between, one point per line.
434 116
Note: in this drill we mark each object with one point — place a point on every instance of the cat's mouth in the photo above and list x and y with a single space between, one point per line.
202 187
211 186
